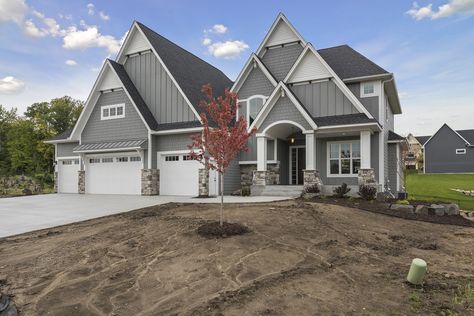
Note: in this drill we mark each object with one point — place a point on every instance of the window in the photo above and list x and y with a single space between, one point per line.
108 159
94 160
188 157
171 158
135 159
122 159
110 112
67 162
254 105
367 89
343 158
461 151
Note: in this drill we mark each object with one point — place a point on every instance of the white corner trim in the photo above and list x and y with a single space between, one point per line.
280 17
149 147
271 101
247 69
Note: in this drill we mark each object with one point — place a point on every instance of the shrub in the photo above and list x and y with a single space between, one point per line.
367 192
341 190
245 191
314 188
403 202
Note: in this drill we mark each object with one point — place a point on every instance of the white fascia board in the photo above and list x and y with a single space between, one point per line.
107 150
248 69
280 17
368 78
351 125
178 131
271 101
121 54
60 141
68 157
89 105
169 74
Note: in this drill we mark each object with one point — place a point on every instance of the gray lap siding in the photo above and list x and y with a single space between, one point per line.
66 149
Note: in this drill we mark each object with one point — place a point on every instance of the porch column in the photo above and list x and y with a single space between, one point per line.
310 151
365 150
261 153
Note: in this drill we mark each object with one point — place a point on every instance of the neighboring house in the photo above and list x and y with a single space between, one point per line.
414 153
448 151
323 117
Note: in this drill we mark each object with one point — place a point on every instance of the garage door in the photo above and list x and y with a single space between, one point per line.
68 175
112 174
179 175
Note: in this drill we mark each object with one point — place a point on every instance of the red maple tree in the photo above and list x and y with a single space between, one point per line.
223 136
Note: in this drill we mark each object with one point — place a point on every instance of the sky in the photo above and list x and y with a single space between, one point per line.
52 48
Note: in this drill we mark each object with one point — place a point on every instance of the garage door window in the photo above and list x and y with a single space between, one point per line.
94 160
172 158
70 162
122 159
135 159
108 159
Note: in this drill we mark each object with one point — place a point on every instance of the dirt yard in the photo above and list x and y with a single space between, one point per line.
299 258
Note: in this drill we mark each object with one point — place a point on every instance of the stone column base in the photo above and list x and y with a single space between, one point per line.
259 178
81 182
150 181
310 178
203 182
367 177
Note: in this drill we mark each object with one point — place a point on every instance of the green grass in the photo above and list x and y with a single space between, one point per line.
437 187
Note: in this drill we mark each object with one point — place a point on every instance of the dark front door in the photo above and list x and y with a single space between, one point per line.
298 164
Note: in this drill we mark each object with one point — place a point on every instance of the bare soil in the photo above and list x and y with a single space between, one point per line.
298 259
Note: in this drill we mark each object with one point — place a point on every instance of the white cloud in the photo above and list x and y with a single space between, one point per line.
32 30
227 49
13 10
90 8
218 28
104 16
70 62
11 85
443 11
88 38
206 41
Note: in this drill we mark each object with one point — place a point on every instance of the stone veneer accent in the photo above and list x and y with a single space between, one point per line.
311 177
150 181
249 174
82 182
367 177
203 182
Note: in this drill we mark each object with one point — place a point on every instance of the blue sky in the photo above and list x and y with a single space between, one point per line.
51 48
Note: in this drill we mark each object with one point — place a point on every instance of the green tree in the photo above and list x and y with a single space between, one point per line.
21 146
7 117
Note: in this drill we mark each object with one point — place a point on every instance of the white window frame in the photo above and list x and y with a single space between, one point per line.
328 159
247 105
362 89
460 151
116 106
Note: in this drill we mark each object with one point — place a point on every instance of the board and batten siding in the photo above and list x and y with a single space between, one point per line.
131 127
157 89
323 99
279 60
66 149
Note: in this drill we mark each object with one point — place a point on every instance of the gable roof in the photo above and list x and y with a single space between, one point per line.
394 137
358 118
62 136
349 63
189 71
134 94
422 139
467 134
247 69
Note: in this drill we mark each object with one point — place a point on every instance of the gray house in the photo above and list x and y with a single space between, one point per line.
448 151
322 116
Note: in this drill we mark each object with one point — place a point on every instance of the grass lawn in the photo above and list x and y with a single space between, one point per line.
438 187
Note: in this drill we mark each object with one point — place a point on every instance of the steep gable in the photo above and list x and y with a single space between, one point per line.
309 68
255 83
279 60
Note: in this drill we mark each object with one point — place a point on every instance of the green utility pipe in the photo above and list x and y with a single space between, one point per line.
417 271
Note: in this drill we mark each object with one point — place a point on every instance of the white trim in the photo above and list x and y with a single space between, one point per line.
398 167
271 101
371 77
374 93
461 151
283 18
284 122
290 164
365 150
254 162
60 141
178 131
150 146
244 73
116 116
88 151
350 125
257 96
341 85
382 138
68 157
328 159
262 153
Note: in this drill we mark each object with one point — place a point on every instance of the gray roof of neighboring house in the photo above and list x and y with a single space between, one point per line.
348 63
358 118
63 135
422 139
467 134
190 71
134 94
141 143
392 136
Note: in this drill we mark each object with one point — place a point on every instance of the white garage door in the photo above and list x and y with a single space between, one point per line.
68 175
114 174
179 175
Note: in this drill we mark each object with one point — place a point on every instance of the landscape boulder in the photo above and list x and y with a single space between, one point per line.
402 207
26 191
422 209
452 209
437 209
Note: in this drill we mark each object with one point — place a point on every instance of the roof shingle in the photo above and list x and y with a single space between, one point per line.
358 118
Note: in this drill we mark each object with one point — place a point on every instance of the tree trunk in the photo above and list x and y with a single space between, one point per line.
221 221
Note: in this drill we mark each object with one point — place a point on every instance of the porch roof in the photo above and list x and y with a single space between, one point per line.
348 119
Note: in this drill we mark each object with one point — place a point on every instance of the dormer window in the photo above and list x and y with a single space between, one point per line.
367 89
110 112
254 105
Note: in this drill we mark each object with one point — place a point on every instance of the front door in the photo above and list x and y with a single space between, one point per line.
297 164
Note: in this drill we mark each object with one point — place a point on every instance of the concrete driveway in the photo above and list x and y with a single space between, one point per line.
28 213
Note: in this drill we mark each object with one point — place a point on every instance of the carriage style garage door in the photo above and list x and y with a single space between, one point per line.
68 175
114 174
179 175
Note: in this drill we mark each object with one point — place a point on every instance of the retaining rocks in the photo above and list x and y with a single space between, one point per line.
433 209
403 207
